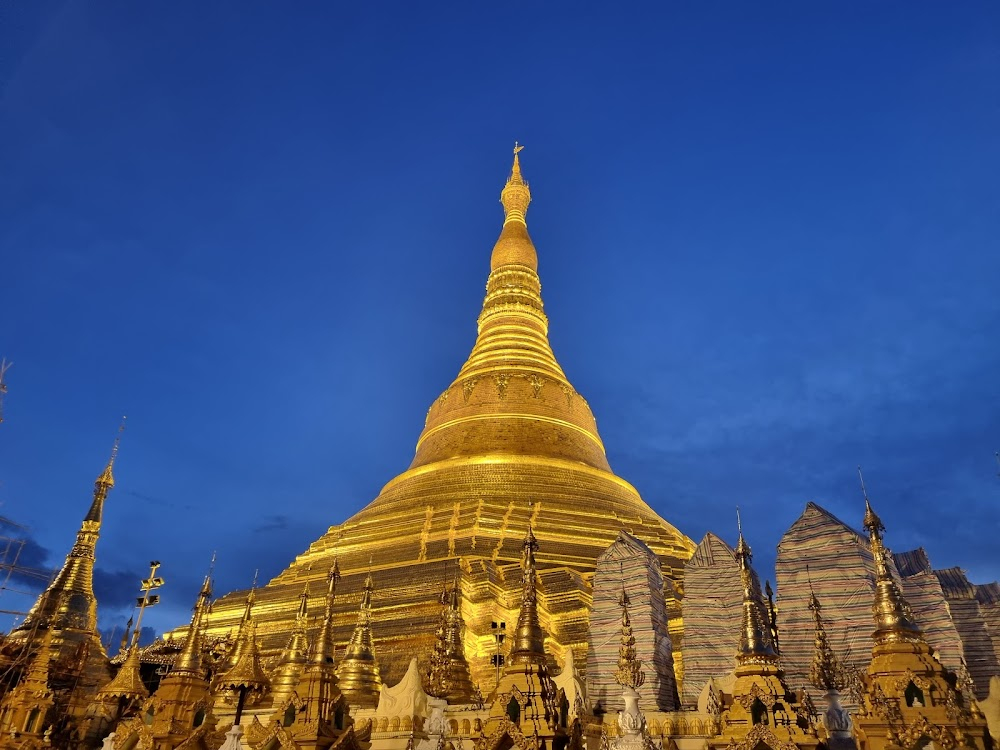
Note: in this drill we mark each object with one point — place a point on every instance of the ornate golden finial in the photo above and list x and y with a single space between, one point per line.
629 673
893 620
756 641
529 638
872 523
106 480
516 195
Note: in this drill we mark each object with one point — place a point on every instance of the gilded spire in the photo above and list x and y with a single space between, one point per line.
359 675
105 481
245 620
323 651
893 619
449 676
629 673
189 659
756 643
824 672
512 374
515 195
68 603
294 656
529 638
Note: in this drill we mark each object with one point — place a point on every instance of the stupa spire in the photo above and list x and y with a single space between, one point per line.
68 602
529 638
893 619
294 656
189 659
512 375
756 643
359 676
317 684
323 650
449 676
515 195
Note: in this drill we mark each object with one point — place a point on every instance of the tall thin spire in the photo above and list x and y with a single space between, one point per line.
189 659
529 638
323 650
893 619
69 603
756 643
294 656
105 481
317 683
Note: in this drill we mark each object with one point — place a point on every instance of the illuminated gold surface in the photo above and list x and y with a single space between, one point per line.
509 431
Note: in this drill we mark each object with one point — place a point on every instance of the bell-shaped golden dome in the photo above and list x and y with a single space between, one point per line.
511 396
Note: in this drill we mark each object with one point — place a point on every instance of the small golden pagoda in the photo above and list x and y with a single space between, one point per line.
293 659
449 675
509 428
358 672
908 698
761 708
524 711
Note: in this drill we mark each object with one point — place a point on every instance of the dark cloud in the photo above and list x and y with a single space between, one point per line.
117 589
273 523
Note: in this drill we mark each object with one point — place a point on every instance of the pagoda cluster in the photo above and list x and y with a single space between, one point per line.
212 692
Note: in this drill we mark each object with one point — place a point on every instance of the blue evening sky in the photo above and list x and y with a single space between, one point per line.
768 238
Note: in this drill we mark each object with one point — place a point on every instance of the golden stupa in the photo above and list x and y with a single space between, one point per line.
509 442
